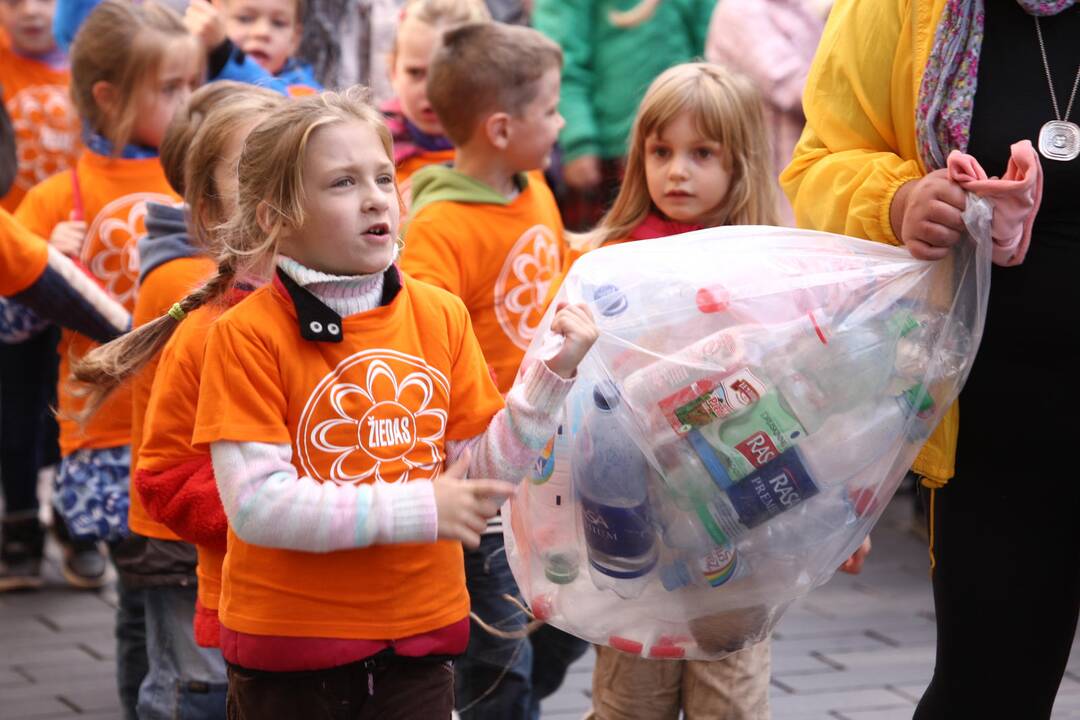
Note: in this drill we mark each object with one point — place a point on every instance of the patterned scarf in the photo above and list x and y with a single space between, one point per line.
947 93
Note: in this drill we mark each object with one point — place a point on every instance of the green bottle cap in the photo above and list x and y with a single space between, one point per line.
919 399
560 568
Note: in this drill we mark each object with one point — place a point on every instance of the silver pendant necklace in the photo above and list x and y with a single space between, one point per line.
1058 139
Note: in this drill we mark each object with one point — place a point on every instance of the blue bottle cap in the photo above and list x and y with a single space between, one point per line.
606 395
674 576
610 300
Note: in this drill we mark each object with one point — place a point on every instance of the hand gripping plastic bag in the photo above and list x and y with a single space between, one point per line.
754 399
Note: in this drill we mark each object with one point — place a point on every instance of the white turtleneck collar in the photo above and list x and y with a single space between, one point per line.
344 294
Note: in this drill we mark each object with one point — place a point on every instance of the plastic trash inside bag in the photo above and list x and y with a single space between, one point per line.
754 399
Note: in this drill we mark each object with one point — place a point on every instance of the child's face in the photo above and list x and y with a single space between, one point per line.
267 30
416 43
225 181
533 134
351 203
29 24
687 173
180 73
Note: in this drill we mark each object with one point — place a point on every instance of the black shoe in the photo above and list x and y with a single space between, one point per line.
21 550
82 563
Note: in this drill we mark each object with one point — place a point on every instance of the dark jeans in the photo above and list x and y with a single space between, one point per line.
384 687
502 679
132 662
27 428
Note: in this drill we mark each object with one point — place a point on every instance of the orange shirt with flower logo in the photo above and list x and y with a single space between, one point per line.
499 259
46 126
377 407
113 193
23 255
170 421
167 284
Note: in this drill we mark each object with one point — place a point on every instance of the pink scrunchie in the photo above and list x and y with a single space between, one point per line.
1015 197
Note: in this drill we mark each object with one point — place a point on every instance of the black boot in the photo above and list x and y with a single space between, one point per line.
21 549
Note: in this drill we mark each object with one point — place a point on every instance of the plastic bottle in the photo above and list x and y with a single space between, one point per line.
844 445
704 562
611 478
552 511
838 371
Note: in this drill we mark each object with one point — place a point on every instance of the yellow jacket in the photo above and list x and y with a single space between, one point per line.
859 144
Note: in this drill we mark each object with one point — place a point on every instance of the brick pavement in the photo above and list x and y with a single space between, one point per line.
860 648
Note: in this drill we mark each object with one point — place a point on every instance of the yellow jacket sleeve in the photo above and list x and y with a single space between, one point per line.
859 144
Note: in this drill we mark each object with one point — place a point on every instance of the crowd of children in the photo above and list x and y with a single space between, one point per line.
296 455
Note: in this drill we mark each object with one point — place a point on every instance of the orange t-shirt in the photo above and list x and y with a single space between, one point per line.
46 126
114 193
377 407
170 420
411 165
499 259
23 255
165 285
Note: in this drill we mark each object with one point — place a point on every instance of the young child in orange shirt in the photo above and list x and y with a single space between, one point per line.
132 67
489 231
34 78
343 582
419 139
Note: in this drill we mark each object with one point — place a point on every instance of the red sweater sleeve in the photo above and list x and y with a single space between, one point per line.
185 499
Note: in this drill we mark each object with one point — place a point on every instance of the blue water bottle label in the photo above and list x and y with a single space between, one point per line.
617 531
777 486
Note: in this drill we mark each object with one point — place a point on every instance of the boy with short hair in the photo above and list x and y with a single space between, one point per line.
488 230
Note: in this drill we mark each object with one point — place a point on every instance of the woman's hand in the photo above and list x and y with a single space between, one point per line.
853 565
463 505
926 215
582 173
575 323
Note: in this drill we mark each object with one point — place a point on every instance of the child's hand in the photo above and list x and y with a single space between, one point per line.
205 22
853 565
464 505
575 324
68 237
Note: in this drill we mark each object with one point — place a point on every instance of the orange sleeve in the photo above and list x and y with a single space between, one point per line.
429 253
44 206
474 399
23 255
241 393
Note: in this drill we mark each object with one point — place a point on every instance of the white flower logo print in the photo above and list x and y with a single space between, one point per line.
379 416
523 283
46 132
111 248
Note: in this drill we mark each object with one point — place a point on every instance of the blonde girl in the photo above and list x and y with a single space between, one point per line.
132 66
419 139
330 400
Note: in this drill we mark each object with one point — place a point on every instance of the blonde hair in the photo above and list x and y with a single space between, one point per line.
270 193
727 109
483 68
123 44
635 16
187 121
444 13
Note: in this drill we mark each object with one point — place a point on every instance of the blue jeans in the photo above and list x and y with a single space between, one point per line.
131 661
185 681
501 679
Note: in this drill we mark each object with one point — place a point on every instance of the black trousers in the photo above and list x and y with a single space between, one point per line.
384 687
28 432
1006 541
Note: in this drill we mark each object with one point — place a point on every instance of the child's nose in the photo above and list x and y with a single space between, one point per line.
677 169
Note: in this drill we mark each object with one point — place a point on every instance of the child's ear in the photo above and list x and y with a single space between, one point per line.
264 215
497 129
105 96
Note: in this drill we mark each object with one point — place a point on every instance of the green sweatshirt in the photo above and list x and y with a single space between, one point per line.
608 69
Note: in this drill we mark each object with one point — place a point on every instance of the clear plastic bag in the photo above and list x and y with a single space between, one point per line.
754 399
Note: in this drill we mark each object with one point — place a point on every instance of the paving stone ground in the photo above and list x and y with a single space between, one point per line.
860 648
